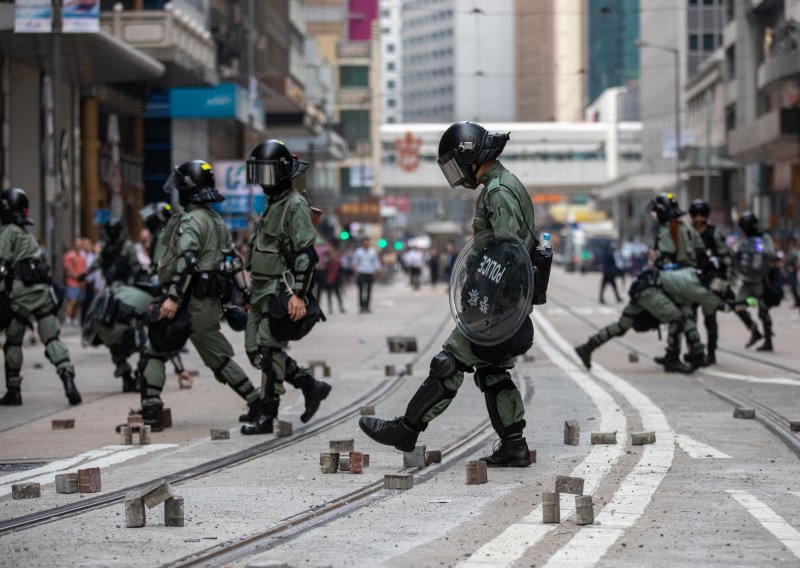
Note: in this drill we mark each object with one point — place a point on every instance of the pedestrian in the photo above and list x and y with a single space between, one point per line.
414 261
433 266
195 246
333 279
365 264
142 248
468 157
281 261
25 279
610 273
753 260
75 274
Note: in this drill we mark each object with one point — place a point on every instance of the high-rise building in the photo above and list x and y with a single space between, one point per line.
613 58
391 60
535 80
458 60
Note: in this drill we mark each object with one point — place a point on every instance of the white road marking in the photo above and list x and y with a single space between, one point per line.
126 454
750 378
57 465
599 310
699 450
511 544
769 519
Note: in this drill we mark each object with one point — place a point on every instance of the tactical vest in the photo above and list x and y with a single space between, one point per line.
271 244
751 260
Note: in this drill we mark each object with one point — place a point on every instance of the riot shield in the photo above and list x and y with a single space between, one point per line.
750 263
491 288
94 318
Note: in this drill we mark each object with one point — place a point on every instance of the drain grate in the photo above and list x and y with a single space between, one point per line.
19 466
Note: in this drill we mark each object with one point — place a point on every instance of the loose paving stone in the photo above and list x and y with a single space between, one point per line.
356 460
125 436
135 421
551 508
604 438
366 459
565 484
572 432
642 438
584 511
65 424
89 480
746 413
166 417
283 429
144 435
389 370
794 426
477 472
368 410
26 491
402 344
220 434
329 462
135 515
344 463
66 483
533 456
433 456
173 511
398 481
415 458
342 446
156 494
633 357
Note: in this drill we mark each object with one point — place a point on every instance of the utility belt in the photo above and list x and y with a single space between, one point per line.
214 284
33 271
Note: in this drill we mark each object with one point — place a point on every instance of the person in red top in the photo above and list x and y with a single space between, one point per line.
75 268
333 279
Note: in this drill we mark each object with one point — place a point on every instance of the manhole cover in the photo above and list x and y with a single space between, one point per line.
19 466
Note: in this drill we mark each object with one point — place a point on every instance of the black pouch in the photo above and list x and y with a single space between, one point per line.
168 335
645 321
282 326
773 287
34 271
6 315
542 262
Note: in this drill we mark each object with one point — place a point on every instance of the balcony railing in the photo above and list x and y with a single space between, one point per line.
169 35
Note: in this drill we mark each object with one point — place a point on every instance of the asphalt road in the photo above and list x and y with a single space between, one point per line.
712 490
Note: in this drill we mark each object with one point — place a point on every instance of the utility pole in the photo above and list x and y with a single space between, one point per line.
707 157
52 213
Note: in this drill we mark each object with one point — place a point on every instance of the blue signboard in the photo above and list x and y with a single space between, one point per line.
204 102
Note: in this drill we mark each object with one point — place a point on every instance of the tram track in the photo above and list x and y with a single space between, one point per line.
376 395
770 418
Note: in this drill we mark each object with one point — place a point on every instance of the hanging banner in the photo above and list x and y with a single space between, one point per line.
33 16
81 16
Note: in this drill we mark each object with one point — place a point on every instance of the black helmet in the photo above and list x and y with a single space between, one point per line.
155 215
748 223
272 166
194 181
14 207
699 207
666 207
464 147
113 229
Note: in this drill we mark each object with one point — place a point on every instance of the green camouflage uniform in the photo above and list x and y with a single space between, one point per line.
504 207
755 289
17 245
120 337
202 231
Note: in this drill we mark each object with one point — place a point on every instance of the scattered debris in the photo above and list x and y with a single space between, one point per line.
342 446
642 438
326 371
414 458
89 480
368 410
66 483
398 481
26 491
565 484
283 429
220 434
746 413
356 461
433 456
65 424
584 511
604 438
551 508
477 473
329 462
572 432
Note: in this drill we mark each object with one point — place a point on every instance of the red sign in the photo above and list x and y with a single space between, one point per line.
408 151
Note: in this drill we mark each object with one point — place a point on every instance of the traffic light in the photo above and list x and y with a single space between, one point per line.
382 243
398 245
344 236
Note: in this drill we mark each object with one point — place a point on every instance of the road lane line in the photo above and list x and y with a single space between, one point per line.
106 461
751 378
511 544
57 465
769 519
699 450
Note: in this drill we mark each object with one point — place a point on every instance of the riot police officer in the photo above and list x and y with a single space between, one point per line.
117 260
25 277
190 274
281 260
715 263
753 258
468 158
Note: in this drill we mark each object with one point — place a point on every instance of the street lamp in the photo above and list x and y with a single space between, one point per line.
676 53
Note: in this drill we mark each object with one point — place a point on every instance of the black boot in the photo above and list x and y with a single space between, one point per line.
767 345
696 360
755 337
314 396
68 378
397 432
13 397
267 412
152 417
129 384
253 410
509 452
711 357
585 351
672 364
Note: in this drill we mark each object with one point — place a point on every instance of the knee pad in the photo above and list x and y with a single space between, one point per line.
432 391
490 393
218 372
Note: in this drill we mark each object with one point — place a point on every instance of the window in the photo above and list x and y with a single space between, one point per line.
357 123
709 42
390 84
353 76
389 66
390 47
693 42
391 103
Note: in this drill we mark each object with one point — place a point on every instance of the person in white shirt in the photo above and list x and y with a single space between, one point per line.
414 260
365 264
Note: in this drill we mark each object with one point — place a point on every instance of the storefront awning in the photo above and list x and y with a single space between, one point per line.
86 58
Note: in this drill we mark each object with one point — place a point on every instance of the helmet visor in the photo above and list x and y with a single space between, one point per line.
456 174
177 180
262 173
